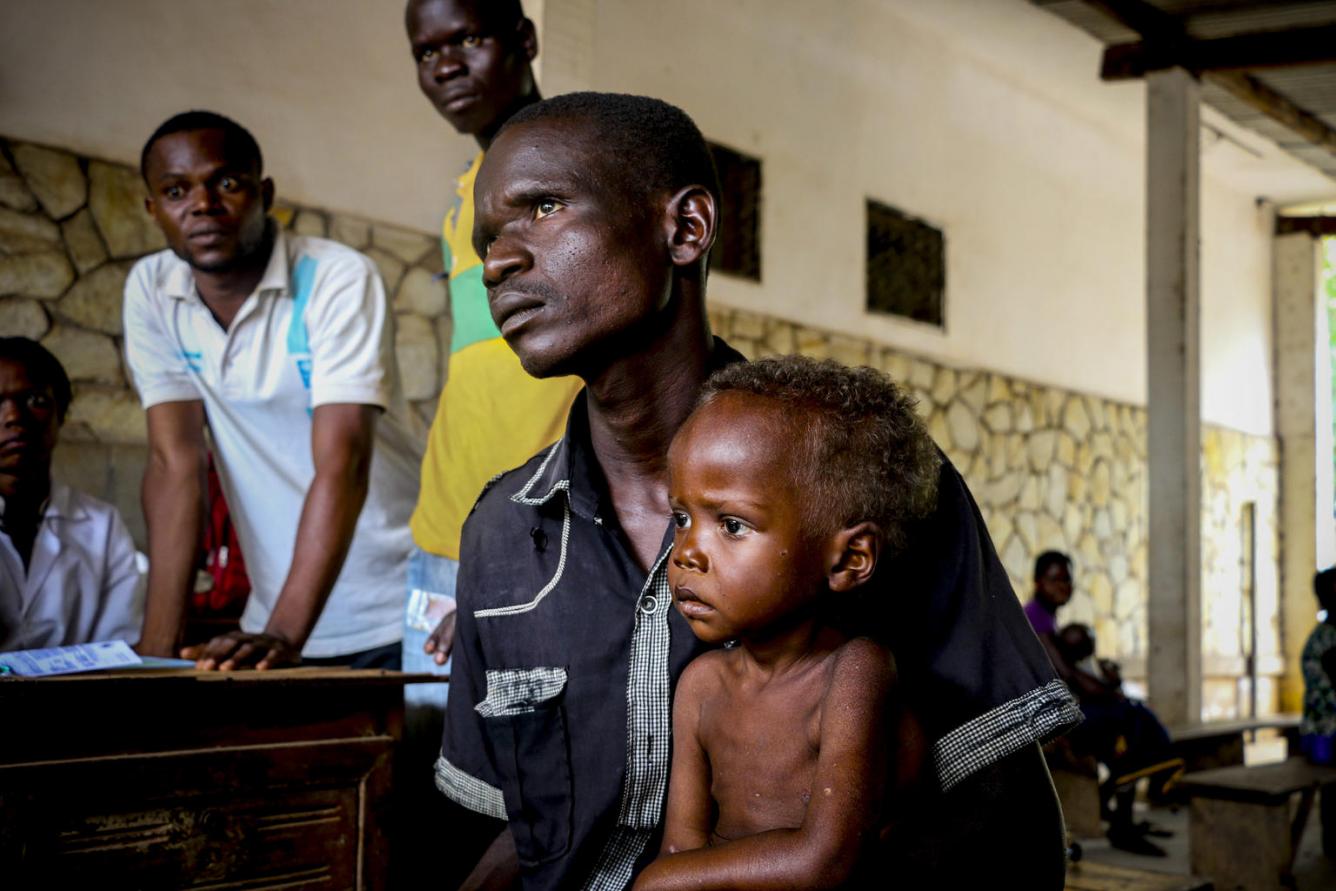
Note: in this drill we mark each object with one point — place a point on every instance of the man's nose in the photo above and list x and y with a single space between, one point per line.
449 64
505 257
204 199
11 415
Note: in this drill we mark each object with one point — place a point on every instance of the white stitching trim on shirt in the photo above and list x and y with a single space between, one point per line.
538 598
1033 717
522 496
519 691
469 791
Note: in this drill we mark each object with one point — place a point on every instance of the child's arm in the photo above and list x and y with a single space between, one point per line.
687 823
844 812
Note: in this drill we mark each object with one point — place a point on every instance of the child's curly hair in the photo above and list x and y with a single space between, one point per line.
864 454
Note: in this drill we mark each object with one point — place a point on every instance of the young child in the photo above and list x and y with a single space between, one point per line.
787 484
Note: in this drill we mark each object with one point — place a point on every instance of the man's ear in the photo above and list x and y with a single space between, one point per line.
691 219
853 556
528 38
267 193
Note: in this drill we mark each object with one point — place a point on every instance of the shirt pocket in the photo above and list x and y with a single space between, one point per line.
526 720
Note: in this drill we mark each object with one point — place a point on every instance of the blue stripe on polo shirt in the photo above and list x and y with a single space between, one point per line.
303 279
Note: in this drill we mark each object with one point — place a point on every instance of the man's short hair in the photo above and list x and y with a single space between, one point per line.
862 451
1050 558
241 145
503 15
657 146
43 368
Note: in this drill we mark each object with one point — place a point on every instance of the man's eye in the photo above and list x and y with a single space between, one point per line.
229 184
546 207
174 192
39 401
469 41
680 519
734 526
426 55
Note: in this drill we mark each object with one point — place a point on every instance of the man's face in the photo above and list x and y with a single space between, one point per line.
576 268
211 208
743 561
1054 586
29 423
473 75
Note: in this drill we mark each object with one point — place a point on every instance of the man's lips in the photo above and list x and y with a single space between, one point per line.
210 235
458 99
511 309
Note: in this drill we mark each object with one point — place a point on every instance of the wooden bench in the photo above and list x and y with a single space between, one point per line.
1242 832
1220 743
1088 876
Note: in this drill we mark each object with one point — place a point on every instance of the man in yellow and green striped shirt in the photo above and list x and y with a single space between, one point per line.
473 59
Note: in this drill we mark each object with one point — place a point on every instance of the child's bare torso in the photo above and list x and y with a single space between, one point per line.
762 738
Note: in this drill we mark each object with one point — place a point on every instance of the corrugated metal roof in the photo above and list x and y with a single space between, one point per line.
1311 88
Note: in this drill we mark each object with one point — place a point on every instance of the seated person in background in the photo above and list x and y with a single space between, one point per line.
787 483
1121 733
67 564
1317 731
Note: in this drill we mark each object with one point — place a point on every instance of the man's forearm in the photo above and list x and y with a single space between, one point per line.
324 533
173 500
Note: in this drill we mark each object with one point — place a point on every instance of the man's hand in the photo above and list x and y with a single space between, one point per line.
237 649
442 640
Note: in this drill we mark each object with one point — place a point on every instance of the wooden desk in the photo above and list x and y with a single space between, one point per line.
1241 829
184 779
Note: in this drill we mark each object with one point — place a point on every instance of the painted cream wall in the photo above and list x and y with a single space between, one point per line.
987 120
327 86
984 117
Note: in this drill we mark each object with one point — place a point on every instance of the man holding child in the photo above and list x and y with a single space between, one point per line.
568 644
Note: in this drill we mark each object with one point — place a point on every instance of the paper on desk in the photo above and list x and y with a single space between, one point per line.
67 660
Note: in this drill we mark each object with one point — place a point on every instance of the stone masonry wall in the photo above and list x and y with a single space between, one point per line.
1049 468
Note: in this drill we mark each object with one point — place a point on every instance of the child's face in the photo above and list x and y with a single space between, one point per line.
743 562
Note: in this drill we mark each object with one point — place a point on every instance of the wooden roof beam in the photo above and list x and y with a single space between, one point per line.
1257 95
1262 49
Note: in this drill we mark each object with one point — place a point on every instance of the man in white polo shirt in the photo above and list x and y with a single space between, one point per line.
281 346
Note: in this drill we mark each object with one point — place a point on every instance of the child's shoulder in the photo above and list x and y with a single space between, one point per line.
862 659
706 670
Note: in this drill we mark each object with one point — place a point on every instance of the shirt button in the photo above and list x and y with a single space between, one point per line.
648 604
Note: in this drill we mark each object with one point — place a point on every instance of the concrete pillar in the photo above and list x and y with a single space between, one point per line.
565 44
1174 393
1303 425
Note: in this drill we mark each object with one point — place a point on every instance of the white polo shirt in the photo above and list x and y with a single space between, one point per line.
81 584
317 330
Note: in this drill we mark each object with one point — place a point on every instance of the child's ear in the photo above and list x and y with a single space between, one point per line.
854 553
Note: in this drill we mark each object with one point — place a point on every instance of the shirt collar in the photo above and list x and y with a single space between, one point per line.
179 281
571 466
60 504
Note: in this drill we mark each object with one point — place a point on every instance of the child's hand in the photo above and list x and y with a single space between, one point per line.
442 640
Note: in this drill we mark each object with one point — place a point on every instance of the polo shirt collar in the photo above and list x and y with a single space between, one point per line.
571 466
179 282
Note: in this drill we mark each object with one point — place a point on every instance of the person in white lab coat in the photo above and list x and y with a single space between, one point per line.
67 563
